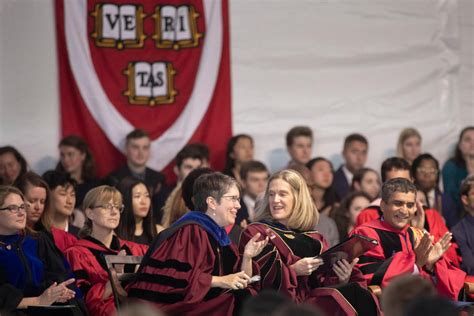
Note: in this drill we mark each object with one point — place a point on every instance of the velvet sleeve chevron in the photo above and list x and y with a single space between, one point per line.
274 270
392 257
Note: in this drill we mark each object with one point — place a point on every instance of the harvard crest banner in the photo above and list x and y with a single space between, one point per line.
160 65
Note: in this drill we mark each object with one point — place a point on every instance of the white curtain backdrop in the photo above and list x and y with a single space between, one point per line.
366 66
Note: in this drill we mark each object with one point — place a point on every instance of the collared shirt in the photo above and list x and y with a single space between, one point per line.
349 175
250 203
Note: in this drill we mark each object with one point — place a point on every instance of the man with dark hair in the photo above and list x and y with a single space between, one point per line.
254 176
192 156
299 142
137 150
403 249
354 152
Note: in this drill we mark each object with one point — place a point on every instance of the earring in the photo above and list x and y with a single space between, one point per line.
213 213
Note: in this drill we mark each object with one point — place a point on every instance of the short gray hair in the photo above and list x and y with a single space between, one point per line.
396 185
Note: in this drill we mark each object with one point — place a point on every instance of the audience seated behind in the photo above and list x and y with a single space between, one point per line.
136 221
32 270
346 213
204 272
299 143
458 167
239 150
325 225
36 192
354 152
403 248
425 170
12 165
102 206
321 188
367 180
76 159
289 262
254 176
409 144
56 219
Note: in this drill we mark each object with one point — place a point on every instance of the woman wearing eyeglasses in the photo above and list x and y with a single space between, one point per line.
192 267
102 207
32 270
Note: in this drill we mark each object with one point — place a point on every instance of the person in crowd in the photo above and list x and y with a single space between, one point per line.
463 231
36 192
346 214
354 152
299 144
137 151
12 165
32 270
434 306
204 272
63 198
325 225
254 176
405 248
403 290
409 144
136 222
102 206
459 166
322 190
290 262
425 170
367 180
192 156
239 150
180 201
76 159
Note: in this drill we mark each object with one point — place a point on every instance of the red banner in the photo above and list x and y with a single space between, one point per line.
162 66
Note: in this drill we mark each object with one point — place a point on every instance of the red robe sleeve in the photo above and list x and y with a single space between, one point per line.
274 268
91 278
177 276
63 239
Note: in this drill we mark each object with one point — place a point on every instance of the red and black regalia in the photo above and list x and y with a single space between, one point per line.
395 255
287 246
176 273
434 224
88 264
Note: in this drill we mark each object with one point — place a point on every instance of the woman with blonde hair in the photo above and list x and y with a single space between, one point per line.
102 207
290 262
409 144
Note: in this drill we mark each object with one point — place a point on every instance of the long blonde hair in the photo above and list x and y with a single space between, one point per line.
404 135
98 196
304 215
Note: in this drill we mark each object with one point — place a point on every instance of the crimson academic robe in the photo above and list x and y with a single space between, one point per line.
90 269
434 224
395 256
285 248
176 273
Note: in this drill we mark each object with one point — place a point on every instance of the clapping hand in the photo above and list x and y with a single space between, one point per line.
253 247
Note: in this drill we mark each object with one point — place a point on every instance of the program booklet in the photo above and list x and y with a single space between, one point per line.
349 249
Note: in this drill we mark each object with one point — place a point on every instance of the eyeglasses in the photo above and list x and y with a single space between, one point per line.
233 198
15 209
428 171
110 207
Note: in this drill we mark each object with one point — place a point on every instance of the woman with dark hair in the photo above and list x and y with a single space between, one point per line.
239 150
322 190
36 192
102 206
136 222
77 160
192 268
425 170
12 165
291 264
367 180
346 214
459 166
32 270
